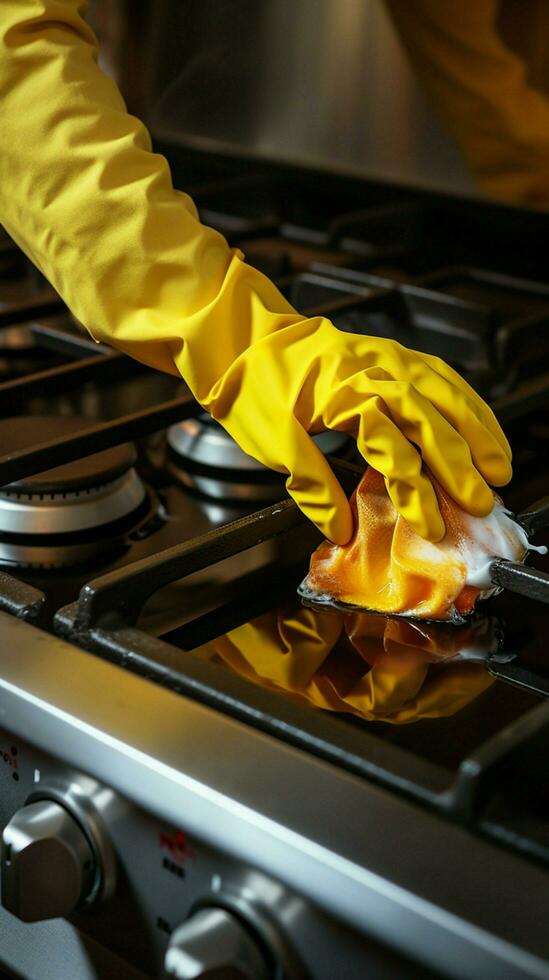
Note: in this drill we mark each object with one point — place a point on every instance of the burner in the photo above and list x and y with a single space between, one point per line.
207 458
75 501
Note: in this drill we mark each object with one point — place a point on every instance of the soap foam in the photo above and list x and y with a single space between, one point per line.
495 536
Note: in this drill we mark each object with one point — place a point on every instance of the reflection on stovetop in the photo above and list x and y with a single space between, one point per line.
370 667
389 672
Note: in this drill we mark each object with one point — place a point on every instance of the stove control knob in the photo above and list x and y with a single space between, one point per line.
47 863
215 945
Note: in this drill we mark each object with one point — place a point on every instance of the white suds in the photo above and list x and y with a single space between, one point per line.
497 535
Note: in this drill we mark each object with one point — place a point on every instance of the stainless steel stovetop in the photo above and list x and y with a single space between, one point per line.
198 772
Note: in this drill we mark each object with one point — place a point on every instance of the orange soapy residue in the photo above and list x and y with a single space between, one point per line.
387 567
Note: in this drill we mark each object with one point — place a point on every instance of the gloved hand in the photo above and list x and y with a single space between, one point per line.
404 408
82 193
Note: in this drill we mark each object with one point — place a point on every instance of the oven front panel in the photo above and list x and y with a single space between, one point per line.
162 875
290 843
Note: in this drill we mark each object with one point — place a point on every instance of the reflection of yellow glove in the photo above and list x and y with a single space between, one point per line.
95 209
465 55
376 668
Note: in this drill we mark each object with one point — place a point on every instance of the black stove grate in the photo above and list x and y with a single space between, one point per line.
15 395
21 600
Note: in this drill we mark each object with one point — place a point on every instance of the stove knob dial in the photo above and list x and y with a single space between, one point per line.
47 863
214 945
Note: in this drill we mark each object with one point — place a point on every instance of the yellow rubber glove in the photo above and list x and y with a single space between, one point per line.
94 208
486 94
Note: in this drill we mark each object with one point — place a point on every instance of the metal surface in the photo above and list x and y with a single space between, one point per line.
64 513
213 944
208 459
93 806
123 592
265 905
354 849
527 581
25 556
360 106
31 306
20 599
26 947
95 437
200 440
152 900
217 489
47 863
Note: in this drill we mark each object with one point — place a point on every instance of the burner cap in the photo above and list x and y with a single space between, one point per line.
210 460
25 431
89 493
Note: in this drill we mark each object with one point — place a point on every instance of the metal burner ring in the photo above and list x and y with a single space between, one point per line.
64 513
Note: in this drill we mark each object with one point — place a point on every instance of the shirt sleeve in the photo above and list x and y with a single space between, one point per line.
481 90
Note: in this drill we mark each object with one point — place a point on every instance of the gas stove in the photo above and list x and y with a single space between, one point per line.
200 773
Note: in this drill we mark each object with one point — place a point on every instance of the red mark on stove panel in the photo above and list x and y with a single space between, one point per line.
9 757
175 841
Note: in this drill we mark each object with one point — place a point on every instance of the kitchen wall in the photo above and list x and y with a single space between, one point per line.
314 81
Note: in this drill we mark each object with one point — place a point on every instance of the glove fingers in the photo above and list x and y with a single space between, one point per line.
383 445
491 461
488 455
451 396
408 404
444 451
365 405
435 380
316 490
482 411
